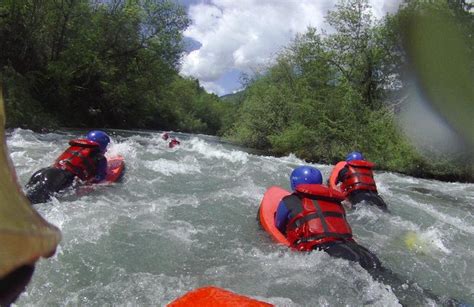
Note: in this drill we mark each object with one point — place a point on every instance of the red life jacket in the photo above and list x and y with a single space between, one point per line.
173 143
80 158
358 177
320 217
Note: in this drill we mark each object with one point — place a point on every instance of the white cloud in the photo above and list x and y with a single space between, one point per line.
380 7
213 87
247 34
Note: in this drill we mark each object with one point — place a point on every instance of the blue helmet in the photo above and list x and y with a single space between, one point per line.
99 137
355 155
305 174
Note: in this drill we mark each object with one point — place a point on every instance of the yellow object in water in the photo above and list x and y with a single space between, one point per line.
24 234
413 242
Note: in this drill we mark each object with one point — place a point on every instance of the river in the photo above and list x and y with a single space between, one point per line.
185 218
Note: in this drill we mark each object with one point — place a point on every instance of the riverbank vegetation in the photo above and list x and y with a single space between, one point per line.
100 64
115 64
329 94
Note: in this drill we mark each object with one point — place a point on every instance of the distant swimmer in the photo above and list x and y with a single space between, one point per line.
173 143
83 159
356 179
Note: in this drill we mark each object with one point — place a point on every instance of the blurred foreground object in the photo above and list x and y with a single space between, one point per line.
24 235
216 297
440 50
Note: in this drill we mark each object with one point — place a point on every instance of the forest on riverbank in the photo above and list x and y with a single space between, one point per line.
80 63
115 64
329 94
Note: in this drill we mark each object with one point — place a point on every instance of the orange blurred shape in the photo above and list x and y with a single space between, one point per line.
215 297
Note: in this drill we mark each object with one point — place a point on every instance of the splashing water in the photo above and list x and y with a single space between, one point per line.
185 217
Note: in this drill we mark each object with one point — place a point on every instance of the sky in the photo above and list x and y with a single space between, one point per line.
229 37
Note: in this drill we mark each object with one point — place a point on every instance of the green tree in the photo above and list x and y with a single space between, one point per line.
328 94
90 63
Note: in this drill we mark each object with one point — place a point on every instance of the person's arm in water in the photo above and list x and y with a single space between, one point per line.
101 170
281 217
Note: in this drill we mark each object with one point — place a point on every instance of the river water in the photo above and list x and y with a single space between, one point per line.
185 218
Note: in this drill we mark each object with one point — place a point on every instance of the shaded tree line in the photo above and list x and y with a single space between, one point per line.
88 63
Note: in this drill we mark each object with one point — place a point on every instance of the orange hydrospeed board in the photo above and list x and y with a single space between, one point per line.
215 297
335 172
115 168
266 213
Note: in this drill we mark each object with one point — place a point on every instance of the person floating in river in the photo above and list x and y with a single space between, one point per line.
173 143
355 178
313 218
84 159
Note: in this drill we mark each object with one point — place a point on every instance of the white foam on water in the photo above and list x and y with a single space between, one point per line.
23 163
123 289
267 167
154 150
170 167
406 225
245 188
22 138
364 211
397 178
433 239
53 213
175 201
383 185
456 222
88 220
294 268
145 139
20 157
277 301
215 151
41 152
290 159
126 149
182 231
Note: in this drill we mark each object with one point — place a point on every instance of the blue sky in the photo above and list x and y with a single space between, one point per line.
244 36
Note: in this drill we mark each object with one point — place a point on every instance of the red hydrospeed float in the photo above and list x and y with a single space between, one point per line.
215 297
115 169
266 213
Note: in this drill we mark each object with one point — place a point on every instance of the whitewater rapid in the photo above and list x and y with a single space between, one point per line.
185 217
